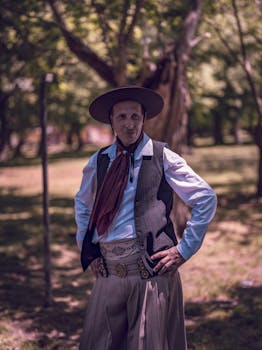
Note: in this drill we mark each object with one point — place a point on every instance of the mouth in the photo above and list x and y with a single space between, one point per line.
131 133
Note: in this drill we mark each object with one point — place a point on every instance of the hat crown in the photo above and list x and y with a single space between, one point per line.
151 101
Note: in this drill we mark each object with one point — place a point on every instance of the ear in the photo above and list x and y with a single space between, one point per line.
113 131
110 118
111 124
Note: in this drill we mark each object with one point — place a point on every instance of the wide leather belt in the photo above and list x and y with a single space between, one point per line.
123 268
122 258
120 249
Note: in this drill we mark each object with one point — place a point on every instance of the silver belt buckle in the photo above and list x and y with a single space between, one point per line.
101 267
144 274
121 270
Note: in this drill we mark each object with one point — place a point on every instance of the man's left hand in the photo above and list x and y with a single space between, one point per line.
170 259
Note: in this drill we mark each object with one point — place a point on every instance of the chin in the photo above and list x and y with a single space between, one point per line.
133 140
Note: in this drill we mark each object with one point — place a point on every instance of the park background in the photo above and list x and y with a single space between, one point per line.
204 57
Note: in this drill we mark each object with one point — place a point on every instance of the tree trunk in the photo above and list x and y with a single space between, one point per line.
172 126
120 73
237 132
18 148
80 143
69 137
218 129
190 132
3 122
259 182
40 147
258 140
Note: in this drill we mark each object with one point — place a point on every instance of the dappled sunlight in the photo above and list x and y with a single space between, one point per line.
15 216
231 321
16 333
213 279
233 227
28 180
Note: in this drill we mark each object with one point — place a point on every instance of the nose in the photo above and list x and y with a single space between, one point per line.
130 124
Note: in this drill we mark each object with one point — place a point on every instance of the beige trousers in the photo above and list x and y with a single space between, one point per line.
131 313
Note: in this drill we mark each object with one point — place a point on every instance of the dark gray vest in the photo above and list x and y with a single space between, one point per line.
153 204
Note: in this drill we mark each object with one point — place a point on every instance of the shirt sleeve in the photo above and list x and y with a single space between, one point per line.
196 194
85 198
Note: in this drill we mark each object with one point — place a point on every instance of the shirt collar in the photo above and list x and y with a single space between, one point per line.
145 148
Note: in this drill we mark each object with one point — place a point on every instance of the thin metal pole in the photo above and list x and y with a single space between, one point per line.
46 219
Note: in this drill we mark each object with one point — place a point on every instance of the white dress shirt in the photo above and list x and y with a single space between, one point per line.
189 186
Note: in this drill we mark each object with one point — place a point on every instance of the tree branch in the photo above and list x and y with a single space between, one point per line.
123 21
189 28
129 33
200 38
105 28
246 64
225 43
82 51
240 31
175 126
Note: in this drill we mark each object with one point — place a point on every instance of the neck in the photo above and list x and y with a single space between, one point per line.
132 147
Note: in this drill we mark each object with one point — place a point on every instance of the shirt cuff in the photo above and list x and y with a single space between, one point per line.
183 251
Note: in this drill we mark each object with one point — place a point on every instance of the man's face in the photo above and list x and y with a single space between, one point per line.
127 121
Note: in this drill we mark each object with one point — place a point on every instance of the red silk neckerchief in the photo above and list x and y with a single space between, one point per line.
111 192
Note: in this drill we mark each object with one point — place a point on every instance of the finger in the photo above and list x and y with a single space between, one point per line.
159 255
158 267
169 266
166 268
162 270
160 264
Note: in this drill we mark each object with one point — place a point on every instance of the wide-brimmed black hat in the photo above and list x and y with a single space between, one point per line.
151 101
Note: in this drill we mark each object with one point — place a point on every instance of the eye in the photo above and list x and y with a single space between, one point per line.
121 116
136 116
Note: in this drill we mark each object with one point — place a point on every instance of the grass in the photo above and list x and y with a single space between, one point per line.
222 282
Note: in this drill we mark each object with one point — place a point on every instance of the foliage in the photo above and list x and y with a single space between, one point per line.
32 45
220 83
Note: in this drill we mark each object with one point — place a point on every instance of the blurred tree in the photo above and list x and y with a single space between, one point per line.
69 99
23 57
31 45
240 35
147 42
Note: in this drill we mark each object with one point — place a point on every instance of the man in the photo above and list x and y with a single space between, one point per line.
125 232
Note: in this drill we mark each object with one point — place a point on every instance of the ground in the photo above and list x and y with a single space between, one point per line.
222 282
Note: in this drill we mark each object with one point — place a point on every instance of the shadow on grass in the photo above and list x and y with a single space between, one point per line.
52 158
22 299
22 274
232 324
213 166
236 205
228 325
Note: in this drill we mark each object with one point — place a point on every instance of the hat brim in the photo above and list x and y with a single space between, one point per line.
151 101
